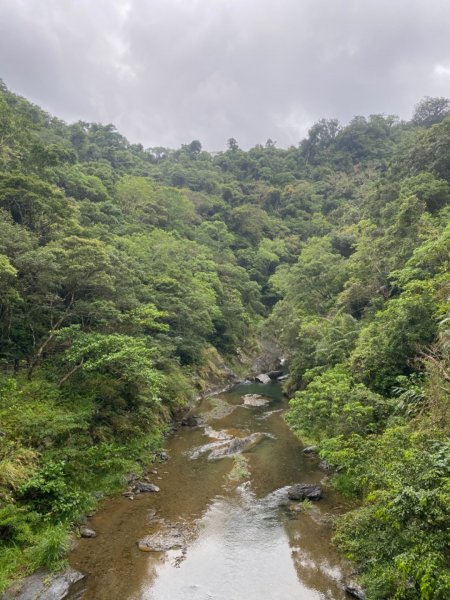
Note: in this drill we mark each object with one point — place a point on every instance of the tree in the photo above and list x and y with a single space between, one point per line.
430 111
35 204
194 148
332 405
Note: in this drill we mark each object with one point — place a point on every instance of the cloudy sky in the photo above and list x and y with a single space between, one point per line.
169 71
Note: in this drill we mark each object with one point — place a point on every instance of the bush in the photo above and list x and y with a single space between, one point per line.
334 404
399 536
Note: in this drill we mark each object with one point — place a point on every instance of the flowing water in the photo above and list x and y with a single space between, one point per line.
243 539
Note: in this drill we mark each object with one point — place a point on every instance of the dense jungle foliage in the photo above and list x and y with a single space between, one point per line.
124 271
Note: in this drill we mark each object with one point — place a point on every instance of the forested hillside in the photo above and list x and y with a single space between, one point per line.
125 271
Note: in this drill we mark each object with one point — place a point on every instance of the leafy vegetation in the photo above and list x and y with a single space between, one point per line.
125 271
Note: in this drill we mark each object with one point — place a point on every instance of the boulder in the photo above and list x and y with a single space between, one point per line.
263 378
162 456
236 446
305 491
44 585
255 400
282 377
87 532
310 450
142 487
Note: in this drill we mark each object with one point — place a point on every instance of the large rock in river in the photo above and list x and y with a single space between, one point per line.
142 487
87 532
305 491
255 400
236 446
263 378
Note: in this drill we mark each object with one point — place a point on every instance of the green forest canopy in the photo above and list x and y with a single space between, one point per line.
124 269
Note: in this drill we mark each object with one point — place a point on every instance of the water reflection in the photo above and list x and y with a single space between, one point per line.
240 553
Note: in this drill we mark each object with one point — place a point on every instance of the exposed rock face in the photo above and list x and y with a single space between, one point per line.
305 491
86 532
269 360
142 487
255 400
38 586
236 446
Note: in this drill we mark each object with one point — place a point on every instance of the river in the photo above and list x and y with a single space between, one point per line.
240 543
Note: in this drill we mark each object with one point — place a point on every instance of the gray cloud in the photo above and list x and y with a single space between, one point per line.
169 71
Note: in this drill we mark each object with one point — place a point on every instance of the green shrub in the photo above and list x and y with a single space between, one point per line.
333 404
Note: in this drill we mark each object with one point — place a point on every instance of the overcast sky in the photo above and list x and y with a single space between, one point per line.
166 72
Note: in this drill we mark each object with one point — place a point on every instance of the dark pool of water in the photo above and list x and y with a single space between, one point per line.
242 545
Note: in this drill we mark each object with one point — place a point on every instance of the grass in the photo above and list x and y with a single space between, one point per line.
240 469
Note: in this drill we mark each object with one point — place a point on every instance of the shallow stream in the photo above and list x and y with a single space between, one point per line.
242 539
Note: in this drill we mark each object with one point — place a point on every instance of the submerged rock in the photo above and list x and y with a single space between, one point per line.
166 539
263 378
217 435
305 491
220 409
43 585
237 446
255 400
86 532
295 508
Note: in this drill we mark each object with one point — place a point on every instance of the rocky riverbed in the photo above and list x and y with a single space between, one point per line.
230 519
